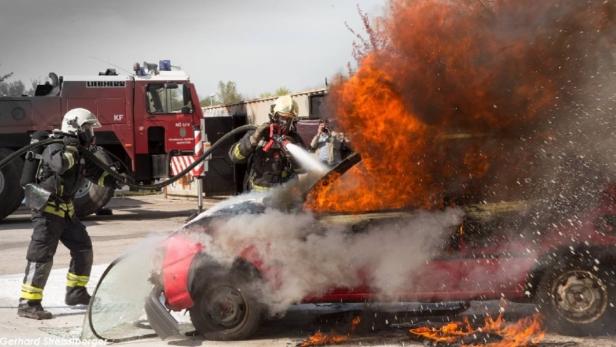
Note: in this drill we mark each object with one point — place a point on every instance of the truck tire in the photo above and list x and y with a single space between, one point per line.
11 193
576 298
90 197
225 308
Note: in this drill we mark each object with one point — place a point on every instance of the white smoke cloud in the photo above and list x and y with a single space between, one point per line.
311 256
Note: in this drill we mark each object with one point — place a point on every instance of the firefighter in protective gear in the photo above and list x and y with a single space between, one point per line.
59 173
264 148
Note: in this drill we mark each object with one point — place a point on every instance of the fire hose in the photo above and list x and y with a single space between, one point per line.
88 155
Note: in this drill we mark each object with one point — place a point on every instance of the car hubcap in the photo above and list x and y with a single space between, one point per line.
84 189
580 296
226 307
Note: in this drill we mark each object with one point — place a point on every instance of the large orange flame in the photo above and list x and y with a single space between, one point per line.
526 331
430 109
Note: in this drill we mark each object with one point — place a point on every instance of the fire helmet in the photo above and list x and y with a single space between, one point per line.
79 120
285 106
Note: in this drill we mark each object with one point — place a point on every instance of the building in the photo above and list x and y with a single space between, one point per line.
311 106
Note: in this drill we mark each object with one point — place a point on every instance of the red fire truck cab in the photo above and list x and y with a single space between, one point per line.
146 118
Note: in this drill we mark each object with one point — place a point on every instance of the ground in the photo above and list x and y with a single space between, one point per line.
136 217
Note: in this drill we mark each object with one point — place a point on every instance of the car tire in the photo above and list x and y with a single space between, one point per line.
225 307
577 298
11 193
90 197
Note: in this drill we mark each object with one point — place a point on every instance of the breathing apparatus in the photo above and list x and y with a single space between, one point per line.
283 116
277 138
36 196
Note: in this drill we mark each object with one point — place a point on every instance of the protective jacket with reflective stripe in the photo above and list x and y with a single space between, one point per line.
265 169
62 169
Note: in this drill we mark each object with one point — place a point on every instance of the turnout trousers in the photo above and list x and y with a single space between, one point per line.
53 225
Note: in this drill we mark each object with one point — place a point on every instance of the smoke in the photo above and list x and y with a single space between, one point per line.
309 256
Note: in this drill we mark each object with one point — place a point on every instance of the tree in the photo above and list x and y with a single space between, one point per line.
279 92
227 93
4 77
209 101
33 84
282 91
15 88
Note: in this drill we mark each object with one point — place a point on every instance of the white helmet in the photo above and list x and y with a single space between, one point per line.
285 106
79 120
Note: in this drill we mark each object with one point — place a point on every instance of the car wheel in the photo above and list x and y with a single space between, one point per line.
11 193
577 299
225 307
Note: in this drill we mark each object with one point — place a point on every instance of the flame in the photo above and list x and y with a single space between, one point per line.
321 339
526 331
454 83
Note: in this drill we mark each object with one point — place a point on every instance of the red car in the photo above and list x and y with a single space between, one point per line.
566 268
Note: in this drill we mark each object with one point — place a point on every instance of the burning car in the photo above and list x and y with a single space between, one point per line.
565 268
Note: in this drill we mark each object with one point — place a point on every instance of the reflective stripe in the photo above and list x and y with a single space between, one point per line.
73 280
70 157
31 270
101 180
237 154
29 292
259 189
60 210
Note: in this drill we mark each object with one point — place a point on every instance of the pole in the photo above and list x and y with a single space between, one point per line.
200 194
198 170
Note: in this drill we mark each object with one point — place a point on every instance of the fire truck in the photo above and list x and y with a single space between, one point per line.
146 117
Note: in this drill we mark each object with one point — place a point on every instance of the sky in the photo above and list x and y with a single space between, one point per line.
260 44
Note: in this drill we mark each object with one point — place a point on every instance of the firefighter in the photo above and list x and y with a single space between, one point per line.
53 215
269 164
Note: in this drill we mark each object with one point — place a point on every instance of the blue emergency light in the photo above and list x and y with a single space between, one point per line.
164 65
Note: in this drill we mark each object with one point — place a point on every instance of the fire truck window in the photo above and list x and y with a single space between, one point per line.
168 98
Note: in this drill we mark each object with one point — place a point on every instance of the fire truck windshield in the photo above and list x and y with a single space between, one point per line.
164 98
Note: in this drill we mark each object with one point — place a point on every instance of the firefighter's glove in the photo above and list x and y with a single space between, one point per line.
259 134
71 143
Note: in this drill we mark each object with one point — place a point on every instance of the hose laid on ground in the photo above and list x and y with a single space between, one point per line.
92 157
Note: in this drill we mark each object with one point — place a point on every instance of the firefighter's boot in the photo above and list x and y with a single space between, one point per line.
35 277
32 309
77 296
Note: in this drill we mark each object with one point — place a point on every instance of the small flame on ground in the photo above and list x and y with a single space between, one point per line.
526 331
321 339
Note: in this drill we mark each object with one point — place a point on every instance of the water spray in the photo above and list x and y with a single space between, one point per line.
278 139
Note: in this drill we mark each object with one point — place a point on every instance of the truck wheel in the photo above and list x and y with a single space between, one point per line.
90 197
577 299
11 193
224 307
